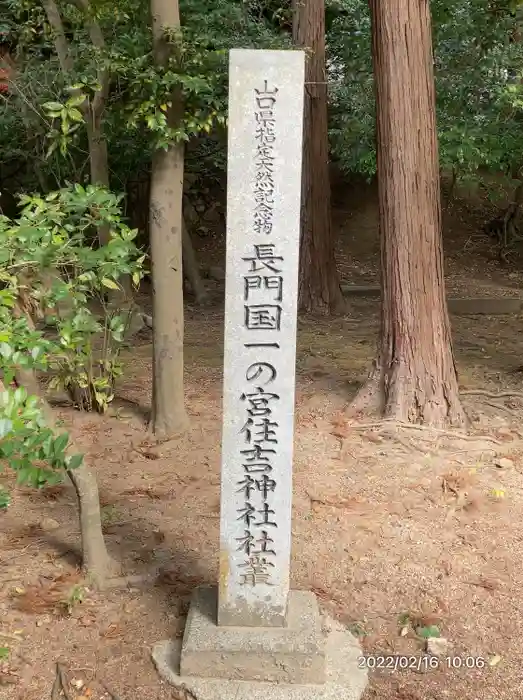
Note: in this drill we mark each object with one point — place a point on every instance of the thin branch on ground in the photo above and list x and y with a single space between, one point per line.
492 395
56 690
60 684
472 449
13 637
499 406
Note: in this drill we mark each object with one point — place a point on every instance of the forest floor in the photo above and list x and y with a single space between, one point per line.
392 528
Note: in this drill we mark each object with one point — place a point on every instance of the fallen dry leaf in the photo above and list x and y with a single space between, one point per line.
47 595
112 631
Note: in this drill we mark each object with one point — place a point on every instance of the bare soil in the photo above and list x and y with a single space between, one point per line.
393 527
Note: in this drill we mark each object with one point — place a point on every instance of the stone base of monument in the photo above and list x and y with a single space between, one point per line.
306 660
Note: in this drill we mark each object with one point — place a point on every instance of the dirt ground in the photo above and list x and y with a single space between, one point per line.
392 528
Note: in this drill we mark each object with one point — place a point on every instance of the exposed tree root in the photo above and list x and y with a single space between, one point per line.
386 423
499 406
403 402
492 395
369 399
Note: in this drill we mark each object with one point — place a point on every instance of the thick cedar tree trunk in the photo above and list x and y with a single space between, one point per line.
166 234
415 377
319 285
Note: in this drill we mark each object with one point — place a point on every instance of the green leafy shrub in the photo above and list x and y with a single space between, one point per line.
55 319
54 271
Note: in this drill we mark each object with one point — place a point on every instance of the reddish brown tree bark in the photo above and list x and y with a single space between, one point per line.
319 285
415 376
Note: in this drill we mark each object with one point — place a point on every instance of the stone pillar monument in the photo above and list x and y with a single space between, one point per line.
251 637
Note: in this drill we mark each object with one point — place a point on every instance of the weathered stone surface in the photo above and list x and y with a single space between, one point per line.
345 679
291 654
263 229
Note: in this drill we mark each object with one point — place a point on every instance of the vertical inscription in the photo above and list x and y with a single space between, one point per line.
263 297
265 100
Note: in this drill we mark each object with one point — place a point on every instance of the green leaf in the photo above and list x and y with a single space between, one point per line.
74 461
4 499
4 653
52 106
404 619
59 444
6 350
52 148
426 632
25 475
109 283
76 100
75 115
6 427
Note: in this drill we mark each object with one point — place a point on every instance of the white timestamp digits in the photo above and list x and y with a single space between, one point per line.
465 662
399 662
418 662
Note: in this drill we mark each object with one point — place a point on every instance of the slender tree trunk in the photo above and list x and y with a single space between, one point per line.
93 114
98 159
99 166
166 233
415 376
96 561
319 284
190 267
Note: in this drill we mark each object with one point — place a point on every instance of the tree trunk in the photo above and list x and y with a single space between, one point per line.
96 561
190 267
319 284
92 112
166 223
99 166
415 376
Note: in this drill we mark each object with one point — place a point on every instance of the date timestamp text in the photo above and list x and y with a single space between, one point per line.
419 662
